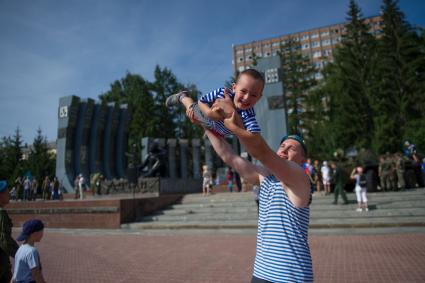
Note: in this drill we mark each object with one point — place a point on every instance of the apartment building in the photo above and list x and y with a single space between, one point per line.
317 43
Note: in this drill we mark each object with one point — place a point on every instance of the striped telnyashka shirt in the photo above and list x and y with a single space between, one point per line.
248 116
283 253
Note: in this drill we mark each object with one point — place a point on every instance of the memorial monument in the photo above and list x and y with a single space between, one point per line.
271 110
92 138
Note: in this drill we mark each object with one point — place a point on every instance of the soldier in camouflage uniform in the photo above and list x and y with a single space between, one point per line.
386 173
399 167
339 179
8 246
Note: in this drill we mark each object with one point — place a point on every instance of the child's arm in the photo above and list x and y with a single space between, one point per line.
228 107
37 275
213 113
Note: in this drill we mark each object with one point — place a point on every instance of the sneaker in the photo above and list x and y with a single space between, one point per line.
358 209
366 209
174 99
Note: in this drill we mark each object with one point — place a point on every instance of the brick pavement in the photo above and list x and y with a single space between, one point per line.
98 257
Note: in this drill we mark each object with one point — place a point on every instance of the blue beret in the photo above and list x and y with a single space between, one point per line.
297 138
29 227
3 186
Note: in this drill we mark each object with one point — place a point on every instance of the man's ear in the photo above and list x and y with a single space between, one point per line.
233 87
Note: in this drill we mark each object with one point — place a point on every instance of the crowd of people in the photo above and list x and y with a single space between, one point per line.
28 188
399 171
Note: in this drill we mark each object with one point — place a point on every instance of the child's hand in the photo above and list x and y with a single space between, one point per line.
225 105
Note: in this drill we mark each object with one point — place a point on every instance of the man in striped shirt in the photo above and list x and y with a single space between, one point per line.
246 91
283 252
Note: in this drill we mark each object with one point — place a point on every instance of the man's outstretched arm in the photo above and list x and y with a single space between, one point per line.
288 172
246 169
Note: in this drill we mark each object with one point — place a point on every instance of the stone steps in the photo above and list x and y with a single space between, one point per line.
315 206
252 215
239 211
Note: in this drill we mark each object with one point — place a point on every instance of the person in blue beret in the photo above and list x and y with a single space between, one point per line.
283 252
8 246
27 260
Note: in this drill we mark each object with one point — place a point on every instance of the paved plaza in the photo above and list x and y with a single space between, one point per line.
108 256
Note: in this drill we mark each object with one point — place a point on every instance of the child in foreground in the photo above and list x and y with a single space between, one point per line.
246 91
27 261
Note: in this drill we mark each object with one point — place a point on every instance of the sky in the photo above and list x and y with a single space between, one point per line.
50 49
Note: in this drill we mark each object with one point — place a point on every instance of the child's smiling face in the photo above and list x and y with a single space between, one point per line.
247 92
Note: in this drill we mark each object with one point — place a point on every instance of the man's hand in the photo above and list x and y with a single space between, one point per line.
234 121
191 115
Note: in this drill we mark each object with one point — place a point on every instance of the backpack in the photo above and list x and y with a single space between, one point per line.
362 181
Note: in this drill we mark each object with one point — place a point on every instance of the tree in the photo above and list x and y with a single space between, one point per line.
298 79
40 162
146 101
349 87
11 165
134 91
320 140
401 69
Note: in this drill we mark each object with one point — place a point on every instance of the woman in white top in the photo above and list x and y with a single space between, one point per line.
361 183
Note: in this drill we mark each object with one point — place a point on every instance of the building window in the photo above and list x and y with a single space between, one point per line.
305 46
271 76
248 50
241 68
267 54
240 51
327 52
317 54
336 40
326 42
318 76
316 35
240 59
325 33
266 46
249 57
304 37
315 44
276 44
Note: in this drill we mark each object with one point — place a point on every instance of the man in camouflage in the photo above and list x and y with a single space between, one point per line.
8 246
386 173
339 179
399 167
